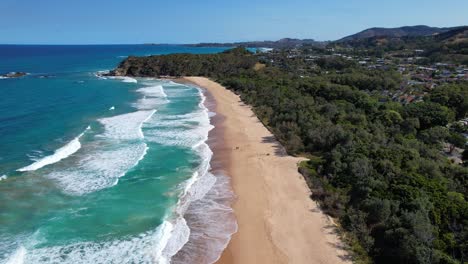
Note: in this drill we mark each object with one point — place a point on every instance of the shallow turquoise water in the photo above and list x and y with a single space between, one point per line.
97 169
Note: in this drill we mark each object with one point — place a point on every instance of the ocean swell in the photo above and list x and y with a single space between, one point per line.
59 154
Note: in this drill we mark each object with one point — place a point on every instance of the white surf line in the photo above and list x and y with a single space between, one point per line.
18 256
59 154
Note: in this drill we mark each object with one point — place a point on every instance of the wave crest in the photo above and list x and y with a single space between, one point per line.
59 154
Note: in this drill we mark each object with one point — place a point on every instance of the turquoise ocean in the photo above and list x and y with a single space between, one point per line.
105 170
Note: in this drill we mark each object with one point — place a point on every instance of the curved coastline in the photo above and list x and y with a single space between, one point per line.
204 210
277 221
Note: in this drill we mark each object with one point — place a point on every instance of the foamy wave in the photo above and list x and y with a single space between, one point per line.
100 169
126 126
184 135
203 216
185 130
144 248
100 74
115 152
3 177
153 91
59 154
124 79
17 257
212 222
129 80
171 83
153 96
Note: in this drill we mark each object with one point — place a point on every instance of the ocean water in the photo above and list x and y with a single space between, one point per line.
105 170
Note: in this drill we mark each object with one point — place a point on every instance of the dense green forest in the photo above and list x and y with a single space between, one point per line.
377 166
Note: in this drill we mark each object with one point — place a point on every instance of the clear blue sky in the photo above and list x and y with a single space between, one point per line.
192 21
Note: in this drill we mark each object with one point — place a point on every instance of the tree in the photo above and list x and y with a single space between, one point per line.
430 114
456 140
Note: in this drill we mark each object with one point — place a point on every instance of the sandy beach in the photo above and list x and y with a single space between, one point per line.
277 221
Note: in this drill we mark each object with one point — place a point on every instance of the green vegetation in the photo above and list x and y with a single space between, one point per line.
231 62
375 165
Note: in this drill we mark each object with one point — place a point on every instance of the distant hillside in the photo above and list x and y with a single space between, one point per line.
282 43
456 35
408 31
448 45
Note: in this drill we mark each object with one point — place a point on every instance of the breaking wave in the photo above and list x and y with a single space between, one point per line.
59 154
119 148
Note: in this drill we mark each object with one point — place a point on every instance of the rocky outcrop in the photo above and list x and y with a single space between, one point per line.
13 75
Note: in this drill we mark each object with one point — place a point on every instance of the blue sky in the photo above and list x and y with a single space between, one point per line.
185 21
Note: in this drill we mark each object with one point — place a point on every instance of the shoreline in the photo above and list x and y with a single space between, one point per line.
209 217
277 221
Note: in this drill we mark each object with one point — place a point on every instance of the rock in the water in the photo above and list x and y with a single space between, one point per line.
13 75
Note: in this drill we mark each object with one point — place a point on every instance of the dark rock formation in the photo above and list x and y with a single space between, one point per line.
13 74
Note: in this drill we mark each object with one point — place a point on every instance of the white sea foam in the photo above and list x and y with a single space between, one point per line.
212 222
112 108
203 217
124 79
3 177
171 83
153 91
153 96
103 72
126 126
195 188
100 169
100 74
17 257
118 149
35 155
59 154
187 130
143 248
129 80
182 133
